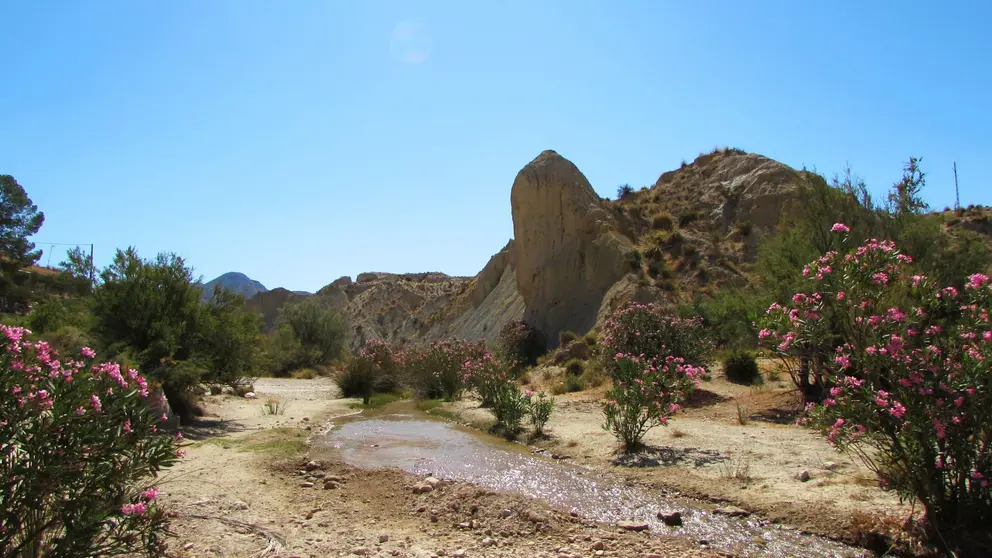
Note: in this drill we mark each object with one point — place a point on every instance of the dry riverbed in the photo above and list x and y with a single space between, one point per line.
732 444
247 488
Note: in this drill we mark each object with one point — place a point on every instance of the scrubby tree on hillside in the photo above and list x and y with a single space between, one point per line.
19 219
78 267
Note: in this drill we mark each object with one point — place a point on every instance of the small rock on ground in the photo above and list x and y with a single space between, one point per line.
633 525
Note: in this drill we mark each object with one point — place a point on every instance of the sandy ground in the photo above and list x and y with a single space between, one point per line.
244 490
706 453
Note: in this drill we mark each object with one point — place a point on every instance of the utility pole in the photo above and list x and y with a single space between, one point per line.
957 194
91 265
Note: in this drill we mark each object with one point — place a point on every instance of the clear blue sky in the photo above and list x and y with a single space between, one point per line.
301 141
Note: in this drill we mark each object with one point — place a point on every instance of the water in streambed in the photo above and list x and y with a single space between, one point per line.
419 445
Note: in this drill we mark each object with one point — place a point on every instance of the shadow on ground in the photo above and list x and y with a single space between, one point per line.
204 428
655 457
704 398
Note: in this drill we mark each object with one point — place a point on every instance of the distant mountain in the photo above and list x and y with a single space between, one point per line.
234 281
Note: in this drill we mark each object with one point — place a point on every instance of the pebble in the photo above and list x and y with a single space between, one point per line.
633 525
187 546
599 545
830 465
360 551
330 485
433 482
486 542
307 484
671 518
312 466
506 513
422 489
803 476
460 553
383 538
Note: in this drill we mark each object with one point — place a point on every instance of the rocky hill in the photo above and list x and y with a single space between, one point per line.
576 257
236 282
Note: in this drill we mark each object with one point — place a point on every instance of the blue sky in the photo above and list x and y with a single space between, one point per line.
301 141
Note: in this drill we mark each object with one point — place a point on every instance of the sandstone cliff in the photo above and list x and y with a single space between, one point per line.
575 257
568 253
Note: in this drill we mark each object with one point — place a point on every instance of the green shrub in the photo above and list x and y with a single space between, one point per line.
573 383
80 448
358 378
69 339
320 329
593 376
688 217
565 337
662 221
591 338
510 406
634 259
575 367
304 374
741 367
540 410
625 191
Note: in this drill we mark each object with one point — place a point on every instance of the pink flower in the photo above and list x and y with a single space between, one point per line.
977 281
764 333
897 410
840 228
80 411
127 426
150 494
95 402
88 352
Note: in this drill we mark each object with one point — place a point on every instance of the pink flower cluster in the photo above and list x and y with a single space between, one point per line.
900 373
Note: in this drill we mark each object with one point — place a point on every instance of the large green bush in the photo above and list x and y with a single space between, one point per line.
321 331
78 453
151 310
741 367
903 367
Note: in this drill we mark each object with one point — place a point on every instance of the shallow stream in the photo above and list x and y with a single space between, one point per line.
412 442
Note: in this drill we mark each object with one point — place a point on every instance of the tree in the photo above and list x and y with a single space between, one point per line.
19 219
149 311
320 329
230 339
78 265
